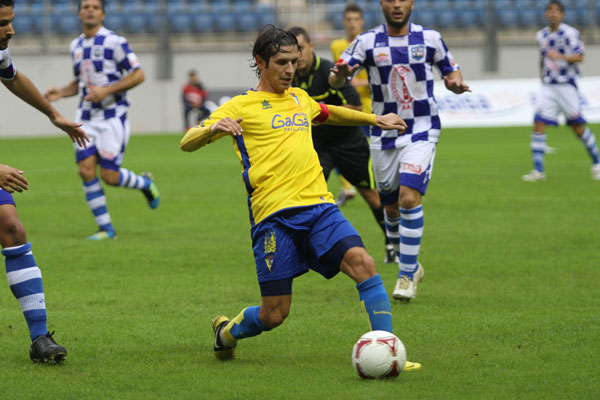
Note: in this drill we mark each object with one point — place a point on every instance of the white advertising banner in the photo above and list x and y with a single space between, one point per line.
506 102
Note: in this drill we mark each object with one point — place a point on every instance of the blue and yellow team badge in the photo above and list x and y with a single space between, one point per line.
270 248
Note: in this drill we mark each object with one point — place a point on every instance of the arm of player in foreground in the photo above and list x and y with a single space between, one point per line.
344 116
12 179
23 88
200 136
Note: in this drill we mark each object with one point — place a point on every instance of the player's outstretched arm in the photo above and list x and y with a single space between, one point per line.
339 115
454 82
23 88
54 93
12 179
97 93
340 73
200 136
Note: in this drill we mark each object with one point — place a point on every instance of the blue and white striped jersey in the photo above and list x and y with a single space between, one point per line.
7 69
99 61
565 40
401 80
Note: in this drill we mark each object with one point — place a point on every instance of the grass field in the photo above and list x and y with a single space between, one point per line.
509 308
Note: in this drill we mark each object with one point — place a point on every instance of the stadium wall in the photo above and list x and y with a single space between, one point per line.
156 104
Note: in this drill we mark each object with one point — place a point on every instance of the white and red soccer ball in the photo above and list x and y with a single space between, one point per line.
378 355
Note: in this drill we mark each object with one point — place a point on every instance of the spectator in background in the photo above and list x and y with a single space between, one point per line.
353 24
193 95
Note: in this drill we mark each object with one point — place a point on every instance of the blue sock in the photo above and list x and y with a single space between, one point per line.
25 281
589 141
411 232
96 201
246 324
376 303
130 180
538 148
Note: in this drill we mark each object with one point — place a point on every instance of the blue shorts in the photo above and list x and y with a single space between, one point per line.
295 240
6 198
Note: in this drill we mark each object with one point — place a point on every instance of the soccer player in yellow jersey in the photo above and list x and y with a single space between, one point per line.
296 225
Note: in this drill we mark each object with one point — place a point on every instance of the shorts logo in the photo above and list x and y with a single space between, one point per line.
415 169
384 186
417 52
106 155
270 248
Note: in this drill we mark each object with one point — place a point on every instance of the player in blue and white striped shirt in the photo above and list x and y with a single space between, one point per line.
24 276
104 68
399 57
561 48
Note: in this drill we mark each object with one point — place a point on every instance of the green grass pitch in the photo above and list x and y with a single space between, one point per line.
509 308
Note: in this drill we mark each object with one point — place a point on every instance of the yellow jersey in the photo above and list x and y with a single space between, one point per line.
337 48
280 166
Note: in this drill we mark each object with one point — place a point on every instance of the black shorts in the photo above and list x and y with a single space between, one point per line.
351 158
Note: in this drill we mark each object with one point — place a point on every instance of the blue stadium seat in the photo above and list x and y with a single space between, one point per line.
425 17
224 18
470 15
24 23
135 20
202 21
266 14
64 20
446 18
531 17
245 16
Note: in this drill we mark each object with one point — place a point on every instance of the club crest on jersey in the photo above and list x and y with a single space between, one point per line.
97 52
417 52
266 105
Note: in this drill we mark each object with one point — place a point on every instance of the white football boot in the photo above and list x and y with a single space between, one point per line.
596 172
534 176
406 288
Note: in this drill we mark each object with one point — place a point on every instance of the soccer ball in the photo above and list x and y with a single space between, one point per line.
378 355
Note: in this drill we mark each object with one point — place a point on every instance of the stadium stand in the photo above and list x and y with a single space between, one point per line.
243 16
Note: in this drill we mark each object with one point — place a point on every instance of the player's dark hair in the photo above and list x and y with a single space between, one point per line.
556 3
7 3
269 42
353 7
101 3
298 30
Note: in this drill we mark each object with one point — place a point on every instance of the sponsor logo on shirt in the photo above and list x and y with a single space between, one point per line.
297 122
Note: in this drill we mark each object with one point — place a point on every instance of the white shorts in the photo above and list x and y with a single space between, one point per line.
557 99
411 166
108 139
